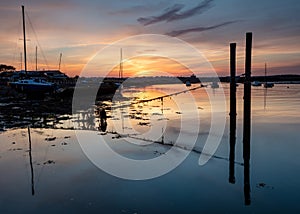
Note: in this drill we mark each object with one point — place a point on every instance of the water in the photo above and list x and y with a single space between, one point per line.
66 181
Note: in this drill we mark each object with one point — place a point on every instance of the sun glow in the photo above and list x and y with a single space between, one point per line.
150 66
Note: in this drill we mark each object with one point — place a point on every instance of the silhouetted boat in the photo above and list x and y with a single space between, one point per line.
119 84
32 86
267 84
36 86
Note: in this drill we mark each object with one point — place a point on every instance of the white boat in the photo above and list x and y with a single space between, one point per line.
256 83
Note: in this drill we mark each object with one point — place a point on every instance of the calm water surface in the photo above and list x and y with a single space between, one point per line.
64 180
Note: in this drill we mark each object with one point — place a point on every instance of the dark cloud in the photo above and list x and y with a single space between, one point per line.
170 14
197 29
140 8
200 8
133 9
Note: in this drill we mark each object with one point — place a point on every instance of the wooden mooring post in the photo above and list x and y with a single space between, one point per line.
232 113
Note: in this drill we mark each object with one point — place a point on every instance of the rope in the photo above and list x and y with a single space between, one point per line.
39 45
157 98
16 46
178 146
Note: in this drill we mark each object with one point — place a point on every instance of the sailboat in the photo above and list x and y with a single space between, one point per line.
119 83
31 86
109 86
267 84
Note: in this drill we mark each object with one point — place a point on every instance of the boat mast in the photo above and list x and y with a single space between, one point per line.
36 58
121 65
30 161
265 72
60 56
21 60
24 38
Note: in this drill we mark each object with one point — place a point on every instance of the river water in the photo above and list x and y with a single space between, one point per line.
65 178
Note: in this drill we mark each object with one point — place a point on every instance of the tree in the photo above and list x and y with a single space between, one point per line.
7 67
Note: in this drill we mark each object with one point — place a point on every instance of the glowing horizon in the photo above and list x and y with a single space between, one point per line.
79 31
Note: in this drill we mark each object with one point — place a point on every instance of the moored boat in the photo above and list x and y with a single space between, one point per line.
256 83
266 83
32 86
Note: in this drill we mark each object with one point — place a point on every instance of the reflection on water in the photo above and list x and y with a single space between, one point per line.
65 180
247 187
265 98
30 161
275 98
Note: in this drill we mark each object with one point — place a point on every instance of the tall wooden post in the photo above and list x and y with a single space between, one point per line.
232 112
247 118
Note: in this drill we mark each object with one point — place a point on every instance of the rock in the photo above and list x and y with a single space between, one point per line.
264 185
50 138
49 162
261 184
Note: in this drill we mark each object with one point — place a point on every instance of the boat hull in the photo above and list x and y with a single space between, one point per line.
32 88
268 85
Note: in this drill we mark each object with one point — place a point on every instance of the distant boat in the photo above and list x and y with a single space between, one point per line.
214 85
256 83
118 85
188 83
267 84
36 86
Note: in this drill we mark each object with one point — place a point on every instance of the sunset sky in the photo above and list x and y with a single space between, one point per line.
79 29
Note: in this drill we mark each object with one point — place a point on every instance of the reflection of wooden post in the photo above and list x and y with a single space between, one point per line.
232 112
247 118
247 182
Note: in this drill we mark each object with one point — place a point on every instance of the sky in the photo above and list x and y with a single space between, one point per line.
82 29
